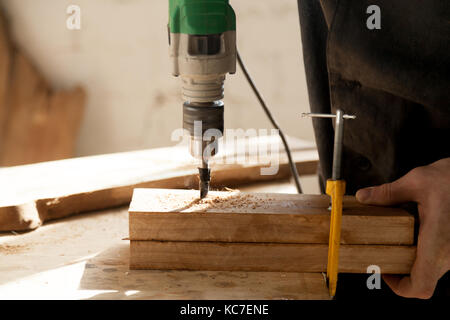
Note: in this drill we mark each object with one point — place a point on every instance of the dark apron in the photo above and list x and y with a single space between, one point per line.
396 80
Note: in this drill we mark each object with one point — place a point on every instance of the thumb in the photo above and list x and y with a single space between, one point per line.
399 191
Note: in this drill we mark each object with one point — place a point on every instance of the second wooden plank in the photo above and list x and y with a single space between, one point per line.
266 257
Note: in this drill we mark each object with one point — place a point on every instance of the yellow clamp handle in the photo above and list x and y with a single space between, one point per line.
336 190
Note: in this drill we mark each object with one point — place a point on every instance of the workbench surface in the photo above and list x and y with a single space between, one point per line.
86 257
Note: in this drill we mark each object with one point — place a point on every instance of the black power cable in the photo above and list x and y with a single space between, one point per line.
274 123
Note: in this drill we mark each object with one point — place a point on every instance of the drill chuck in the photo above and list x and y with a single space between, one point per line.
205 124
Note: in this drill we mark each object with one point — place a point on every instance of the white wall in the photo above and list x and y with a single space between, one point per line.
120 56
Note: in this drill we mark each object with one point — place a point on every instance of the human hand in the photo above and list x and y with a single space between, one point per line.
429 187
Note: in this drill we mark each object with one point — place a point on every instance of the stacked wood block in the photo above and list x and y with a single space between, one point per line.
174 229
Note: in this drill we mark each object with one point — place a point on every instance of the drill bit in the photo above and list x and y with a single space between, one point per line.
205 176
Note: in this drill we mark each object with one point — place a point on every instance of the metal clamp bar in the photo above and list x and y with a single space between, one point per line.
338 137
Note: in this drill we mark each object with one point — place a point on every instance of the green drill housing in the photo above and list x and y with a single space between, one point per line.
201 17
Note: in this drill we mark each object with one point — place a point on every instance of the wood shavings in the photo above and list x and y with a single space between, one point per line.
232 199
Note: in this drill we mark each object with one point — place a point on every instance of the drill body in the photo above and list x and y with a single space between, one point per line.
202 39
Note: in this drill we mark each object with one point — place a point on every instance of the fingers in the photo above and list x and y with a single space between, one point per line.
405 287
419 284
403 190
425 273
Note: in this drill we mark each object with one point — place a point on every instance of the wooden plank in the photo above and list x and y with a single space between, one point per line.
36 122
266 257
41 125
5 69
178 215
99 182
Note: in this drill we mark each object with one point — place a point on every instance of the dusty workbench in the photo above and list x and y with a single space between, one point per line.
86 257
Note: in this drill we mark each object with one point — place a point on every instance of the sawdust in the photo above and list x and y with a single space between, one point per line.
220 202
7 249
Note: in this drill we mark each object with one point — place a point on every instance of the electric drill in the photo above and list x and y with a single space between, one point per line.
202 39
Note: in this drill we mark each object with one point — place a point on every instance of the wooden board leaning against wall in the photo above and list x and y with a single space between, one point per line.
37 123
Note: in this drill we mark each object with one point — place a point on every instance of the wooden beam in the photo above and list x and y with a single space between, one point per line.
179 215
99 182
266 257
